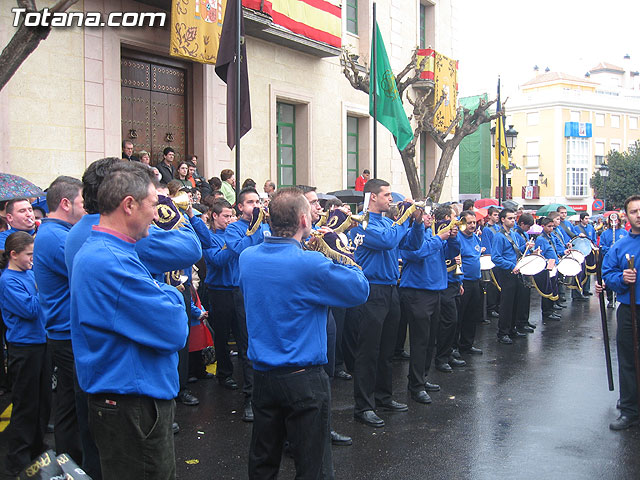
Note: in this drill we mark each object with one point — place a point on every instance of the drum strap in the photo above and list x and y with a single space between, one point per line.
513 244
583 230
548 239
567 231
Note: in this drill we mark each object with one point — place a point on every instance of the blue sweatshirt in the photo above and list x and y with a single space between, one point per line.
425 267
289 329
488 232
21 308
9 231
589 231
547 246
558 240
470 249
502 253
566 238
451 251
220 262
606 238
378 254
51 274
161 251
615 261
237 241
126 328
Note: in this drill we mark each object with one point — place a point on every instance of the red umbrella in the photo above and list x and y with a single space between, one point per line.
606 214
485 202
481 213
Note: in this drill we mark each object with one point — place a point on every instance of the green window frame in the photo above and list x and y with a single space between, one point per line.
286 140
423 164
423 25
353 150
352 16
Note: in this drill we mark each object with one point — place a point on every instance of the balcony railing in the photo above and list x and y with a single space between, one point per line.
531 192
508 191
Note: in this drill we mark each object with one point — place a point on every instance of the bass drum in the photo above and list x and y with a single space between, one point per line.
531 264
569 266
582 245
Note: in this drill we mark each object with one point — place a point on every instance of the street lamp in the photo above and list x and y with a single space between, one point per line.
604 173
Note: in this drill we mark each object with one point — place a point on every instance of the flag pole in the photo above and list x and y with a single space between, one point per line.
498 146
374 83
239 59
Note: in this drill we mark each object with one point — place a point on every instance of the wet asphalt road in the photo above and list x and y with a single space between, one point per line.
538 409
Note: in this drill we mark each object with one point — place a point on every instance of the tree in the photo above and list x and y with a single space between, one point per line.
26 39
425 104
623 179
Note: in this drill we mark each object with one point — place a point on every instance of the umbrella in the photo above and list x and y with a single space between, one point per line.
510 204
552 207
326 196
348 196
574 218
481 213
595 218
606 214
13 186
397 197
485 203
535 229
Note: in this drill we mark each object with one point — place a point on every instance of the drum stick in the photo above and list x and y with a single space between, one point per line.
603 318
634 326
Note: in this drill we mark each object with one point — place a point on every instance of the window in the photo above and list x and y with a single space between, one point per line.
633 123
423 26
533 118
599 153
599 119
286 132
353 142
508 180
532 182
423 163
533 154
615 146
575 116
577 167
615 121
352 16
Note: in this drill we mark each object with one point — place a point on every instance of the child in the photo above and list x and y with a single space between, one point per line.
27 348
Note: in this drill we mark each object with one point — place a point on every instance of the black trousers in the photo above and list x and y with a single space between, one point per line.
66 431
626 363
330 366
401 339
376 340
469 314
242 341
224 321
447 324
183 354
90 454
511 299
493 296
350 336
31 398
294 404
523 307
339 315
420 308
134 436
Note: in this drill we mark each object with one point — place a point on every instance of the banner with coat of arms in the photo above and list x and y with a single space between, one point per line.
196 26
443 71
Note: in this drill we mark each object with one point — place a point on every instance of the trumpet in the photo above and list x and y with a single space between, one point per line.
424 205
461 224
181 200
362 219
323 219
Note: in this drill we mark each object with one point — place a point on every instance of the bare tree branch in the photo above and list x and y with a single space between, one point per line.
352 73
63 5
28 5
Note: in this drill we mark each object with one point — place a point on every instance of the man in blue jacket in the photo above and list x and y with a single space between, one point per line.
19 217
378 255
288 339
618 277
126 364
66 208
491 227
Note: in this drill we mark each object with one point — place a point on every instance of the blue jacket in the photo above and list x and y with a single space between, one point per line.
378 254
471 249
566 238
547 250
502 253
126 328
558 238
21 308
615 261
9 231
220 260
488 232
589 231
237 241
606 238
52 277
425 267
161 251
290 328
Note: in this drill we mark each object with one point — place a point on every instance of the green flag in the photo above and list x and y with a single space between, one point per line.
389 111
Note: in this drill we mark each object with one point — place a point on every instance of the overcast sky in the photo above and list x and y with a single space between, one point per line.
569 36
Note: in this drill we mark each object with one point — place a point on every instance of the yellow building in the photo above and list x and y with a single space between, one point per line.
566 126
84 90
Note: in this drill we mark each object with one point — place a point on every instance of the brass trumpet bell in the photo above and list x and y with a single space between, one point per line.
362 219
461 224
181 200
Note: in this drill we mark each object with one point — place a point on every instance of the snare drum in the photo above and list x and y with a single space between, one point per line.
569 266
531 264
582 245
576 255
486 264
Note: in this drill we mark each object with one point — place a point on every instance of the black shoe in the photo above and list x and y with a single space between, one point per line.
557 307
206 376
175 428
454 362
444 367
623 422
431 387
505 340
228 383
473 351
580 299
187 398
562 298
342 440
552 316
401 356
456 354
342 375
561 305
192 379
618 404
525 329
516 334
589 294
369 417
421 397
485 322
247 414
494 314
532 325
392 406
